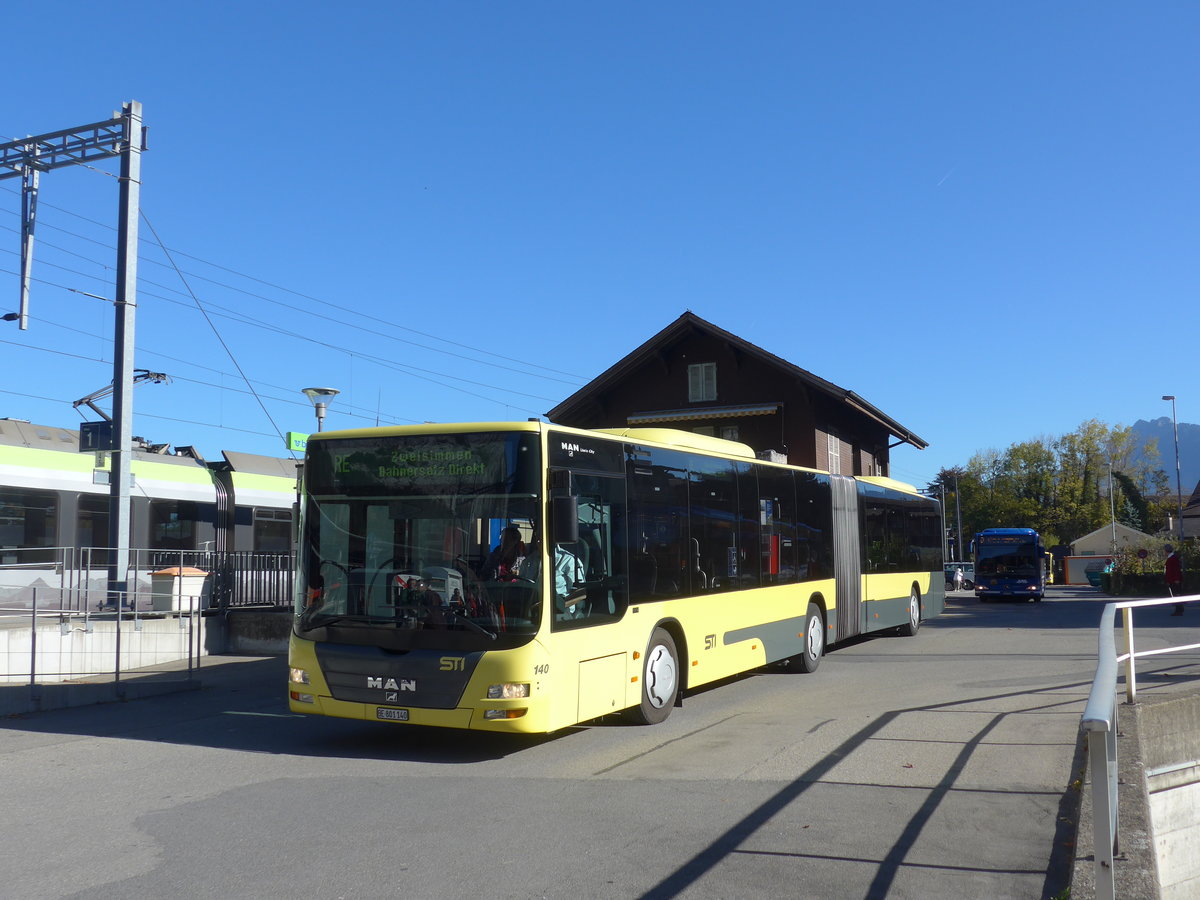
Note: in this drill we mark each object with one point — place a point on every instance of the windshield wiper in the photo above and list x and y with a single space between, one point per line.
311 623
472 623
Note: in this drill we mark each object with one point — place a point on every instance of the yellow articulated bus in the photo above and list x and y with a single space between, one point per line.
524 577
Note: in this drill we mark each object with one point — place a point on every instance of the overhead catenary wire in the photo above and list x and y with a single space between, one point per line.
146 415
210 310
339 307
225 312
243 317
217 333
366 415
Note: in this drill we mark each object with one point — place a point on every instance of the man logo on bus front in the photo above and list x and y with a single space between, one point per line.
405 684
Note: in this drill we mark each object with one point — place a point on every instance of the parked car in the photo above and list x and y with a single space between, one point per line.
960 576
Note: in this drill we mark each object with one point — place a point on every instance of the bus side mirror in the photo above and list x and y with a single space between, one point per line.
564 512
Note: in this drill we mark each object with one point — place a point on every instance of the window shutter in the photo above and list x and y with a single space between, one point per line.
835 454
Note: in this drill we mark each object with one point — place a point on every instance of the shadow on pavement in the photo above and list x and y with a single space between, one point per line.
240 704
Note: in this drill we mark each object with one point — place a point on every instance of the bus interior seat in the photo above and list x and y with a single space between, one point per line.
643 574
594 568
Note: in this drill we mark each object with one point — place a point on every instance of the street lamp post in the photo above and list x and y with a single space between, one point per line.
1112 508
945 530
958 551
1178 481
320 398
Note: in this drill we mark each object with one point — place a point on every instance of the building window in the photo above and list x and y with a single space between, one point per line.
702 382
730 432
707 430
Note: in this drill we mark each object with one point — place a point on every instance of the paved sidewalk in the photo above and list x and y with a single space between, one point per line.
135 684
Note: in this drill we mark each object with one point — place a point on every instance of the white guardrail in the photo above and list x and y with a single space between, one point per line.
1100 721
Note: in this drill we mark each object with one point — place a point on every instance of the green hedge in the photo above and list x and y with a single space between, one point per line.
1152 585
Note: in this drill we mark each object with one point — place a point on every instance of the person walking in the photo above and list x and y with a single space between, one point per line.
1174 569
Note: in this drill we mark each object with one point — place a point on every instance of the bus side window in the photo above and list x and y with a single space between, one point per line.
599 586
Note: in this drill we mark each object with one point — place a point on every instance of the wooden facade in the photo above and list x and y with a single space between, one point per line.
695 376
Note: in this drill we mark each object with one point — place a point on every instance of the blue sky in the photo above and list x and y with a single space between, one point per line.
980 217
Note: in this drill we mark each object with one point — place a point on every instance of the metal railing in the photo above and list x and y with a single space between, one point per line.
1100 721
122 619
236 579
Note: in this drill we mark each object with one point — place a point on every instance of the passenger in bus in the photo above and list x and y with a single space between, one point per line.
504 562
427 600
570 589
569 577
315 598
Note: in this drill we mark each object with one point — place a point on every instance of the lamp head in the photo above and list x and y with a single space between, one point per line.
320 394
320 398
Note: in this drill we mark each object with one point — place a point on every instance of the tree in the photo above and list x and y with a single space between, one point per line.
1081 507
1064 487
1134 511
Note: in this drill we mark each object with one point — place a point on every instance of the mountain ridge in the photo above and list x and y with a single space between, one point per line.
1189 449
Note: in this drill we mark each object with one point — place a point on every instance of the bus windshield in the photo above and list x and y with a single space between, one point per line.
1020 560
420 542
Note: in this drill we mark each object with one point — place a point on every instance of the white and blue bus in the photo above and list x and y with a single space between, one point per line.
1009 562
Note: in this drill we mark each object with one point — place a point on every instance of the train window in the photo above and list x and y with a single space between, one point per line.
272 530
27 518
173 524
91 529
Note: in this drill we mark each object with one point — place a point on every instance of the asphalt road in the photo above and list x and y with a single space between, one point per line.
934 766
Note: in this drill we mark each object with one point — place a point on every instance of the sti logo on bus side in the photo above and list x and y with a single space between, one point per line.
405 684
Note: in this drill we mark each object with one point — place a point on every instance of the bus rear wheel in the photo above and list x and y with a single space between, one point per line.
910 628
660 680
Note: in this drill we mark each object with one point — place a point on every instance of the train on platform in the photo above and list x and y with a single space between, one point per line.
54 502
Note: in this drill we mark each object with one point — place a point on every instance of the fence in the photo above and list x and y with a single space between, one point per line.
52 656
236 579
1100 721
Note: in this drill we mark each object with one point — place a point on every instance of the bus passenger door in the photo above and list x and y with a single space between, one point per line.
847 556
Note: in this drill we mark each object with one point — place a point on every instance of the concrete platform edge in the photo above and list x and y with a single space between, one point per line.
1136 869
20 699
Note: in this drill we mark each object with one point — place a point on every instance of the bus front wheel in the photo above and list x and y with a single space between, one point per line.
909 628
660 680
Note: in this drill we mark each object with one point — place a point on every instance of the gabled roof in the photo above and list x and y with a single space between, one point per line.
1123 534
690 323
1194 499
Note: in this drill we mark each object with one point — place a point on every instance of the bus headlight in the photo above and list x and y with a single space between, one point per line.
508 691
298 676
301 698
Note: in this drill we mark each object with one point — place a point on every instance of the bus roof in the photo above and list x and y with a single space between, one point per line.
664 437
